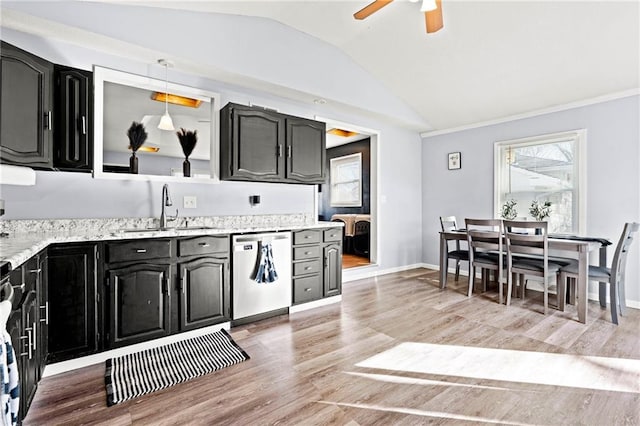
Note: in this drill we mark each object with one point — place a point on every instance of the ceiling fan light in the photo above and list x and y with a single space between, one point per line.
166 123
428 5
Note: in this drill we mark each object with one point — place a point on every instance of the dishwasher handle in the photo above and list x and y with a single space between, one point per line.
258 238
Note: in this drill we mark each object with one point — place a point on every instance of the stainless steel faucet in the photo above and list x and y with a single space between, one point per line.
166 202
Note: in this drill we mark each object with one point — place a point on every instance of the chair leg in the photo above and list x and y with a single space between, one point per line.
613 295
457 269
509 289
561 285
622 299
472 277
522 283
546 294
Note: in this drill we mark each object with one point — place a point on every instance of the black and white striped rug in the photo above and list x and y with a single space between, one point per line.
130 376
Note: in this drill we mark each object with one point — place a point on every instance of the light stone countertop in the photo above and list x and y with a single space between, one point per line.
29 237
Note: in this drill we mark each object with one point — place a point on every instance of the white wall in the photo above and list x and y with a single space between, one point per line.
613 174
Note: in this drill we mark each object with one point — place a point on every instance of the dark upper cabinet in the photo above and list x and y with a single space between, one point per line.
73 130
139 303
70 310
306 142
204 292
252 144
26 106
266 146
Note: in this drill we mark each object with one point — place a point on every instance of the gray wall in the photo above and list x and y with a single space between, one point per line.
77 195
613 175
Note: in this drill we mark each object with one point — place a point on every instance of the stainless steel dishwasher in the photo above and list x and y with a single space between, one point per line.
250 297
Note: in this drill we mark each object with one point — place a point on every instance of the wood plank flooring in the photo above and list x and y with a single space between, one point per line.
352 260
349 364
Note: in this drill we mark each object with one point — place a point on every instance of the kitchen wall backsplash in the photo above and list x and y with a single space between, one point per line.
100 225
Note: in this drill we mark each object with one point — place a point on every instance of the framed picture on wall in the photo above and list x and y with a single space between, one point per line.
455 160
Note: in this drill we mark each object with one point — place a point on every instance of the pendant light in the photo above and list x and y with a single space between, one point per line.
165 122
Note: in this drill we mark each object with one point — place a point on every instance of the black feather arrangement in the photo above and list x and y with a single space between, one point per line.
137 136
188 140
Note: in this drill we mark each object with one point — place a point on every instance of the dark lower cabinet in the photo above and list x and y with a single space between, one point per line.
332 270
26 105
43 314
23 325
139 303
204 292
70 309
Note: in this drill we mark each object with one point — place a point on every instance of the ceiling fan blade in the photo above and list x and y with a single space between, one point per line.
433 18
371 8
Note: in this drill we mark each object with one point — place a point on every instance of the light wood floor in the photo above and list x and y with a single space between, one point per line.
352 261
316 367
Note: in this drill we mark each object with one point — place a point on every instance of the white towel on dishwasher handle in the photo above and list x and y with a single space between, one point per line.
266 271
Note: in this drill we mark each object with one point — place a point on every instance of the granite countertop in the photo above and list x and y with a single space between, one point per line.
27 238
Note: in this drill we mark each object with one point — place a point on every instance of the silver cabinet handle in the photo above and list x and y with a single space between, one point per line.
29 341
307 236
84 125
204 244
307 268
19 287
307 252
289 151
307 289
46 313
50 120
27 337
141 250
184 281
35 339
35 271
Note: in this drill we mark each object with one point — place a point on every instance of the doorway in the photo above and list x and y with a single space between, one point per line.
350 193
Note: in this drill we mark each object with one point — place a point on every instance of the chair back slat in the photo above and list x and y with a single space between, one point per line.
618 266
484 235
448 223
526 243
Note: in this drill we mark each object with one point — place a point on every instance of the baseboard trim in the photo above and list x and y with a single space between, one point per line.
315 304
85 361
359 274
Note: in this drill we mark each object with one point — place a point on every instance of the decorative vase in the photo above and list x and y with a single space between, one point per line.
133 164
186 168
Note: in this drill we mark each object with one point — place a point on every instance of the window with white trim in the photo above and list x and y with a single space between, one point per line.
346 181
544 168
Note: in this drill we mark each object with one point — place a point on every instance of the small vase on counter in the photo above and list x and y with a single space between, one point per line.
188 140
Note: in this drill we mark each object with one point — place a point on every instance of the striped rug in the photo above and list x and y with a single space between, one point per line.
130 376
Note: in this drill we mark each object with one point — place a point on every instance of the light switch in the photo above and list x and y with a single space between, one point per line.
190 202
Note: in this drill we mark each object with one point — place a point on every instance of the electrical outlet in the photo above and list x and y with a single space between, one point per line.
190 202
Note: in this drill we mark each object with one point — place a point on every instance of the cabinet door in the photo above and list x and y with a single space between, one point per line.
25 108
30 367
71 309
332 270
73 144
306 143
256 145
139 303
204 292
43 314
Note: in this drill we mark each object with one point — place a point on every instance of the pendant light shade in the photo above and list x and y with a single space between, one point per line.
166 123
428 5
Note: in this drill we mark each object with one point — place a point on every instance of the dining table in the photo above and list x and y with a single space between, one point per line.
576 247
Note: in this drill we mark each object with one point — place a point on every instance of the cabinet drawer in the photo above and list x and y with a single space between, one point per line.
307 267
307 289
306 237
334 234
309 252
203 245
131 251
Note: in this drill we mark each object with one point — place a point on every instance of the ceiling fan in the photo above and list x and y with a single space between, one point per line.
432 12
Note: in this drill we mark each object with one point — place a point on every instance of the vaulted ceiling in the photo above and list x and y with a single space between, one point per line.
491 60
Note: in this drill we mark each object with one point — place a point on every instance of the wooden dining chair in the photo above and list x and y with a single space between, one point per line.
484 238
528 254
449 223
614 276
